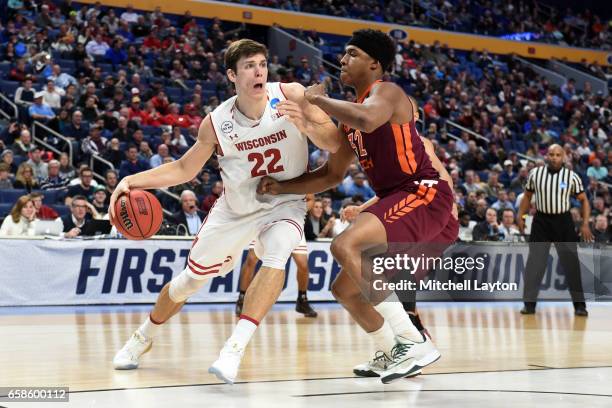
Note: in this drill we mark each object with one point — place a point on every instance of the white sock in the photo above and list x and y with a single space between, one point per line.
393 313
148 328
384 338
242 334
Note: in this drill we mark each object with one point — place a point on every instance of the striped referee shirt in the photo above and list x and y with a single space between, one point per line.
553 190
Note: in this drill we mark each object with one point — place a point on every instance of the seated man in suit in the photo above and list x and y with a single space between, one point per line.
189 215
74 222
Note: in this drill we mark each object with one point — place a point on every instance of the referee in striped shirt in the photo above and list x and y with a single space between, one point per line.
553 185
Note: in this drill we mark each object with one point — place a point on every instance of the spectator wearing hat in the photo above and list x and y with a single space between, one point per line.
95 143
508 174
99 200
39 110
135 113
38 165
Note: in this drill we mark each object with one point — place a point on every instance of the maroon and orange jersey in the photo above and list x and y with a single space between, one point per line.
393 156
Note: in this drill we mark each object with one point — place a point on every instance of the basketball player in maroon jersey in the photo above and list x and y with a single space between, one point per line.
413 203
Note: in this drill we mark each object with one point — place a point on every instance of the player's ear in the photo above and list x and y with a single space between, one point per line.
231 75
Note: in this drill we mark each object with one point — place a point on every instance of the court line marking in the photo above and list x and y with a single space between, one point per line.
333 394
319 379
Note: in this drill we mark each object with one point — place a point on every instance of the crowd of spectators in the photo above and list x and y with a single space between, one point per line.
534 19
132 87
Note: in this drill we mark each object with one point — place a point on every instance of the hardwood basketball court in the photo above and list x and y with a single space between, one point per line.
490 355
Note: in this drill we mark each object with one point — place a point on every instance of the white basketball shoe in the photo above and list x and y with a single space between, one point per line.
226 366
376 366
136 346
408 357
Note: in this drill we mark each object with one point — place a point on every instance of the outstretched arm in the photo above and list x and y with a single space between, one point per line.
309 119
367 116
325 177
174 173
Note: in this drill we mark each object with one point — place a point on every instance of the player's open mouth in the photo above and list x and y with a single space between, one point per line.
258 86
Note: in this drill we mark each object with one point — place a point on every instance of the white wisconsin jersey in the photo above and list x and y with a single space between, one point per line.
274 147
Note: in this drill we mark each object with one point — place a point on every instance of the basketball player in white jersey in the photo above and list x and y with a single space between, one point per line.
251 140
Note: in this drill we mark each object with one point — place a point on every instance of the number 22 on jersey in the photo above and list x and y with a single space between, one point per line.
259 159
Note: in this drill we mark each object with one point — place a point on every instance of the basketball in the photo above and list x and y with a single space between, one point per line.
138 215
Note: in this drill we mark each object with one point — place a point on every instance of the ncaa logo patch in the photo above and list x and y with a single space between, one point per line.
227 127
274 102
562 185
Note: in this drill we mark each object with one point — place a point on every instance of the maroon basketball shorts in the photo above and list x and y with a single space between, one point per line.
419 216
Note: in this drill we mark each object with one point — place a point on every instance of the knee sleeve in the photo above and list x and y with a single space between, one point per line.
276 244
183 286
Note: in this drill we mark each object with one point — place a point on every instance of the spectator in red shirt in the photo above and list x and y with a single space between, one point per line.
43 212
152 41
151 116
215 193
174 118
161 103
19 72
136 113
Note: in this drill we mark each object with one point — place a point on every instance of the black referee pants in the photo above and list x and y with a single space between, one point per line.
546 229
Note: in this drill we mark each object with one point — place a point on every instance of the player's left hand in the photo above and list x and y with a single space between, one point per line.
268 185
587 235
313 91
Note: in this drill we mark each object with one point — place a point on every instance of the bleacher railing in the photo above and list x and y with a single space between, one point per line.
455 125
12 105
36 136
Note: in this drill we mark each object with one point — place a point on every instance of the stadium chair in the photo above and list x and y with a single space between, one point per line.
10 196
174 94
106 68
5 68
521 146
61 209
67 65
5 209
19 159
484 176
507 145
8 88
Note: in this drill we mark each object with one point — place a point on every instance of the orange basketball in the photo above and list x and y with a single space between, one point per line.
138 215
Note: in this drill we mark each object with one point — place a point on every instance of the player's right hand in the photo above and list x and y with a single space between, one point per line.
122 188
349 213
268 185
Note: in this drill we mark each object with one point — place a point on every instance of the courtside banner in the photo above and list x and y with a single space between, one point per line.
115 271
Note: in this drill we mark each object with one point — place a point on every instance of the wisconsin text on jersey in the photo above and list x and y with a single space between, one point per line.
262 141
